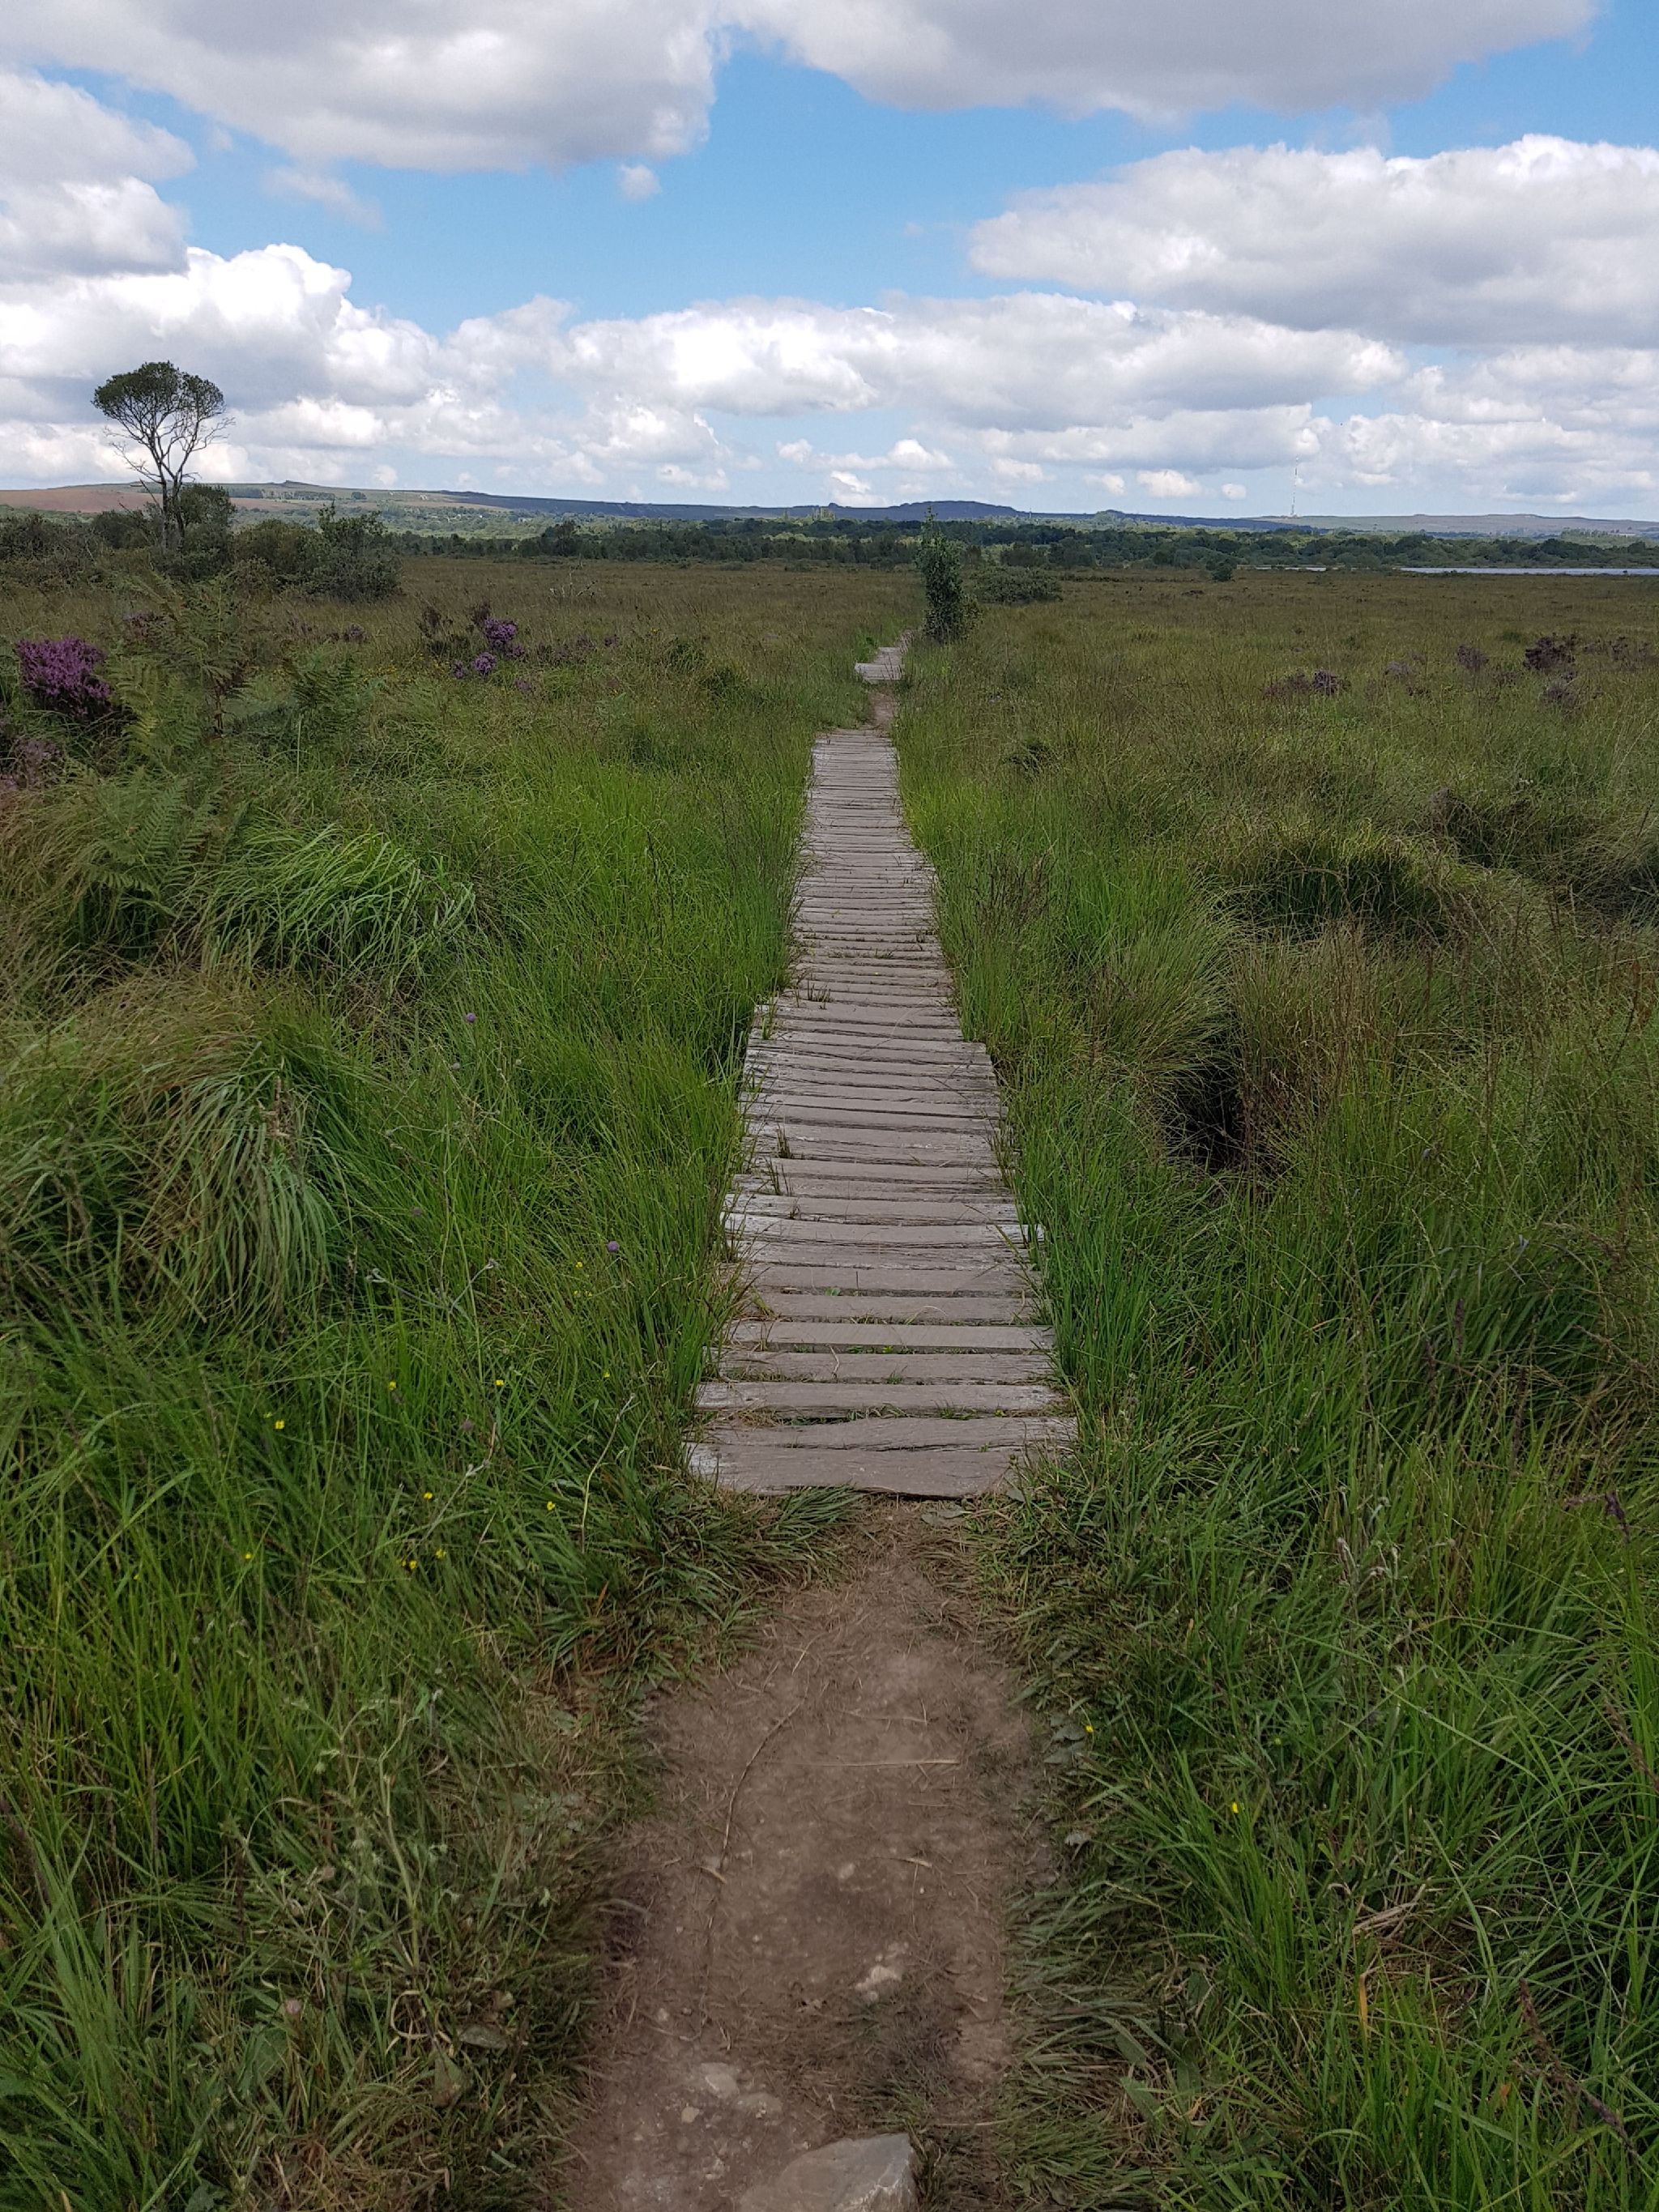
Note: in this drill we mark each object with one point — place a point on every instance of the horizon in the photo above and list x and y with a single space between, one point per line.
739 255
1431 521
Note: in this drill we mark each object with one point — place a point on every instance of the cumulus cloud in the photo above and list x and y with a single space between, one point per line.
1023 389
507 82
1082 55
75 195
637 180
1169 483
1481 245
1037 359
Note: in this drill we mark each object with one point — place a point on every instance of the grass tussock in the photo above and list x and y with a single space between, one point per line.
1338 1098
368 1055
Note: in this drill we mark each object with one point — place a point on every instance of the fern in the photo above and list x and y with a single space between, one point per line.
135 866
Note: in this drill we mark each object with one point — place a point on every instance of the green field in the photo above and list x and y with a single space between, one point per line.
1326 1019
368 1043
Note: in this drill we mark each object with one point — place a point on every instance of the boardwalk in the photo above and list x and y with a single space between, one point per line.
889 1340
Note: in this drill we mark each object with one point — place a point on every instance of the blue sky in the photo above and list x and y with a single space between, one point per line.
804 302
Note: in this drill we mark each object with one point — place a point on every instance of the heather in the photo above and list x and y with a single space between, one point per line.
1310 922
367 1051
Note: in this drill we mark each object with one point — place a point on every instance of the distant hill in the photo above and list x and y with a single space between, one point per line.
471 512
1473 525
75 499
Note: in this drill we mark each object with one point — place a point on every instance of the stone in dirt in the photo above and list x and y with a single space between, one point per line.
865 2174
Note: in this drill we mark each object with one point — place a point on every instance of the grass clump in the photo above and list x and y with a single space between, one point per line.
1341 1126
368 1060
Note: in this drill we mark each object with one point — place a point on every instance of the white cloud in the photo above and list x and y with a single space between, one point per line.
323 189
74 190
507 82
1168 483
1484 245
907 454
1081 55
412 83
1078 395
1030 360
1233 491
637 180
59 132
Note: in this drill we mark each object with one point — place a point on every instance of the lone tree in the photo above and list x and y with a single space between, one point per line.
167 415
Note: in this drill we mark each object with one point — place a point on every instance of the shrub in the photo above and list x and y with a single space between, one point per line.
53 550
500 641
355 559
1006 587
939 559
60 674
285 551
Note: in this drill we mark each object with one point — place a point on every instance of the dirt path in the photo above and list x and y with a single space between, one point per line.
809 1940
810 1932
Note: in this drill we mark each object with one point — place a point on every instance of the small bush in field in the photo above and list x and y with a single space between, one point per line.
500 639
354 558
1012 587
60 674
1324 682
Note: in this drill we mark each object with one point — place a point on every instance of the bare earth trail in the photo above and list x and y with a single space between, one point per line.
809 1937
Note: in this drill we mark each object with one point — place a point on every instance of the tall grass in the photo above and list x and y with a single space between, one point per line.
369 1089
1326 1015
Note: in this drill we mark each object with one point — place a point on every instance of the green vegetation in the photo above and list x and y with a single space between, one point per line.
373 993
1009 559
367 1048
1310 923
1026 544
939 560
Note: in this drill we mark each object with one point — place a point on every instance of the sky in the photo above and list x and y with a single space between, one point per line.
1201 256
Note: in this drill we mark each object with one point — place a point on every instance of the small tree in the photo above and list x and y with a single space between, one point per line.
167 415
356 559
939 559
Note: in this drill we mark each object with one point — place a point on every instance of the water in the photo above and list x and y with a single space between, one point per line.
1487 569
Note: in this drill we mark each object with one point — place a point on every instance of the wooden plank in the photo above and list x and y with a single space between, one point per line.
888 1339
899 1405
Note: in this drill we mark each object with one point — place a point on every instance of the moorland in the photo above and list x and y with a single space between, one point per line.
371 1022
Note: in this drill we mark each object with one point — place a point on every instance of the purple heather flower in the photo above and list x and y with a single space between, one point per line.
501 635
59 673
469 1018
484 665
613 1246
